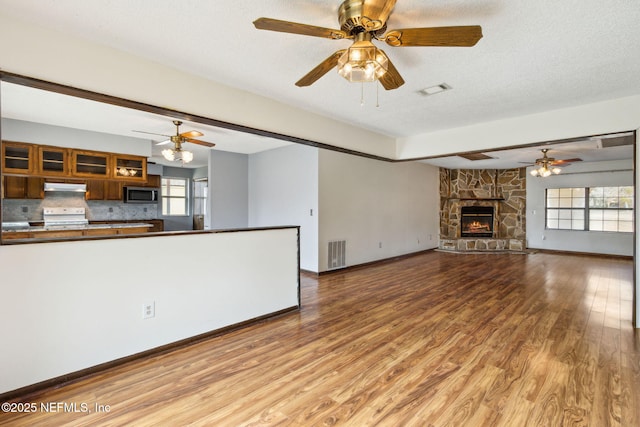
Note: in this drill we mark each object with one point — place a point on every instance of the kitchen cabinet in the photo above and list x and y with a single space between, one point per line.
95 189
153 181
22 187
99 189
21 158
131 168
70 234
113 190
17 158
90 164
158 225
53 161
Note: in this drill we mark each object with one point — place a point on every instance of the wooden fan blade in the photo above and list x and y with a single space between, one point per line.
377 11
463 36
198 142
564 162
165 142
320 70
392 78
192 134
296 28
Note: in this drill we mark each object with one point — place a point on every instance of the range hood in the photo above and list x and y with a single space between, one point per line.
74 188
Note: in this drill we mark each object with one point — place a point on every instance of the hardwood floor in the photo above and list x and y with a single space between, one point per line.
437 339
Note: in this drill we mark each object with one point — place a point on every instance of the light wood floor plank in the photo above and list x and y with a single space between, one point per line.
437 339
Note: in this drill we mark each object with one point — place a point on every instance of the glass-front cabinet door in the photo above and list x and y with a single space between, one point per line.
53 161
17 158
90 164
130 168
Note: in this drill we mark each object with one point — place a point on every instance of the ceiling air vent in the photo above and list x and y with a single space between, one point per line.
475 156
616 141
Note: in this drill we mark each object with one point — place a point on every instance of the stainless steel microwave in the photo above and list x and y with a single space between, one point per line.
140 194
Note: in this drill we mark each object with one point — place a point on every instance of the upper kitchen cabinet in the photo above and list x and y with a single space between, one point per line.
130 168
17 158
53 161
21 158
90 164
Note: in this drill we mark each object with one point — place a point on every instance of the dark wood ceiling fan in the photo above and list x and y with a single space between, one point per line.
180 137
364 21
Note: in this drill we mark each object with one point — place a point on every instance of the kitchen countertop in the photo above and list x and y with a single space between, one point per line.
31 229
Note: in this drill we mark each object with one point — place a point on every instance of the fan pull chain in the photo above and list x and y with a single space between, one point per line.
362 94
377 93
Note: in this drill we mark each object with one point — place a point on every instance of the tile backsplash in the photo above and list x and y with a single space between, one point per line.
31 209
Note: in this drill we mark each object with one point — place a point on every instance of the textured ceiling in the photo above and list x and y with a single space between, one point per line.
535 56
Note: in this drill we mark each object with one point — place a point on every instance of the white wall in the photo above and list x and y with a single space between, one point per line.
228 190
592 174
59 136
283 190
71 305
371 203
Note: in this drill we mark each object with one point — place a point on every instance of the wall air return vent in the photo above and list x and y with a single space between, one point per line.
337 254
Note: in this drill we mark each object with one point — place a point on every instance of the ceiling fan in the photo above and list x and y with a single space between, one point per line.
548 165
363 21
178 153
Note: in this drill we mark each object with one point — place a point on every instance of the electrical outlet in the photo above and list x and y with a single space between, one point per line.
148 310
380 245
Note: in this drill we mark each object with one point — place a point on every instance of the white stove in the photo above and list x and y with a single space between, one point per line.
57 217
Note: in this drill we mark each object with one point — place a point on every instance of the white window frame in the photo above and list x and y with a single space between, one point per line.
568 211
168 199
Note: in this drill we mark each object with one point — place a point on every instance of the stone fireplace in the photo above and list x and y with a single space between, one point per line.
482 209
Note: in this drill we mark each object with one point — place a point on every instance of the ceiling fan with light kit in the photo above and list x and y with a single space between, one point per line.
364 21
546 166
177 153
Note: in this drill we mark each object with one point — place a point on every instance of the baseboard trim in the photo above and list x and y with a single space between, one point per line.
593 254
372 263
32 390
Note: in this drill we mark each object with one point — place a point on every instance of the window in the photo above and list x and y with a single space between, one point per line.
611 209
590 209
200 197
565 208
174 197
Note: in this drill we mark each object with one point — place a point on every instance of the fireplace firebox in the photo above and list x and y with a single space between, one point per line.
476 221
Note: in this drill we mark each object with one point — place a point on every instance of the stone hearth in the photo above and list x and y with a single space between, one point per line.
504 190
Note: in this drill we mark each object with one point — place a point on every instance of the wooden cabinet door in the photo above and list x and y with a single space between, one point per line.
130 168
113 190
53 161
23 187
15 187
153 181
100 189
90 164
95 189
35 188
17 158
